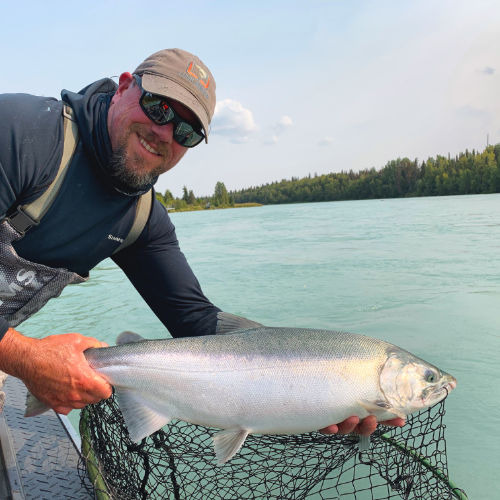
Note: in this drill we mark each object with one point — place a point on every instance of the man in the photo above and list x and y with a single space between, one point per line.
129 135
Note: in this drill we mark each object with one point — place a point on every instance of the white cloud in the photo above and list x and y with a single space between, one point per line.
326 141
272 139
488 70
278 129
284 122
234 121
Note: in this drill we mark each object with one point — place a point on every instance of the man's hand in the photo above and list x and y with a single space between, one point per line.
54 369
363 427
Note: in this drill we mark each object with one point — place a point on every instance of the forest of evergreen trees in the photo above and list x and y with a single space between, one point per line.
220 199
468 173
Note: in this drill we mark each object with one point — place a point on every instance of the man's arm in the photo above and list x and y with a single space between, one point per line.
159 271
54 369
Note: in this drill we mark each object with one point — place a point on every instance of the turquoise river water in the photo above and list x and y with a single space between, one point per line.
422 273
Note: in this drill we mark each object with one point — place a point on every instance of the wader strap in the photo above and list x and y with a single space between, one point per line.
142 212
30 214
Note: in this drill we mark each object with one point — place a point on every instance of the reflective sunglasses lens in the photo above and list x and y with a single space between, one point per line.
157 109
186 136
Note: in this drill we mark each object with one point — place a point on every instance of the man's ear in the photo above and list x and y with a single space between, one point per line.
125 81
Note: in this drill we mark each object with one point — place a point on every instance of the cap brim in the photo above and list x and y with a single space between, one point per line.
157 84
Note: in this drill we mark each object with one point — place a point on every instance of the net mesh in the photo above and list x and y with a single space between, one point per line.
178 462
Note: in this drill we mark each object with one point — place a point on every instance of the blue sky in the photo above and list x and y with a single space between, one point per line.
302 87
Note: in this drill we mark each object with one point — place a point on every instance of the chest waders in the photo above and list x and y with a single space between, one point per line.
25 286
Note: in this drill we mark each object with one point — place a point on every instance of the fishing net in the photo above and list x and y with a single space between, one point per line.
178 462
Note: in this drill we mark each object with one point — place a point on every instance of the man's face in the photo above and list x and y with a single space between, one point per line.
143 149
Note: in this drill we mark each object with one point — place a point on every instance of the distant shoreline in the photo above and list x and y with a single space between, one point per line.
196 208
471 172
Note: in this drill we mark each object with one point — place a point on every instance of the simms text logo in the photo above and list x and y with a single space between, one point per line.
197 75
115 238
8 290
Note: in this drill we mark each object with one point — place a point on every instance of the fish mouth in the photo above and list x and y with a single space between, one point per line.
451 383
440 393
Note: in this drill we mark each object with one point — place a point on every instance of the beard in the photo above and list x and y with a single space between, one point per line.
128 176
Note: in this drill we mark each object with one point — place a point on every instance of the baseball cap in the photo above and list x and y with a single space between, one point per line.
183 77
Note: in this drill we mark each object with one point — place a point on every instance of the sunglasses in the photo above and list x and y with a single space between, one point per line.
159 111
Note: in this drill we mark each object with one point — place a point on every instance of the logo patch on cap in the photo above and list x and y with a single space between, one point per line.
203 77
198 76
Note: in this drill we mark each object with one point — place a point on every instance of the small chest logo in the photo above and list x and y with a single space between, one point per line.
115 238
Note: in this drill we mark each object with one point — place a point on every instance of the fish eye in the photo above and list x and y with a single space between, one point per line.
430 376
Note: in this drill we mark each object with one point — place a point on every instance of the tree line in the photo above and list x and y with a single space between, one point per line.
471 172
220 199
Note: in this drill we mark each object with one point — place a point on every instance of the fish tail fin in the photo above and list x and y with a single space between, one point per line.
227 443
34 406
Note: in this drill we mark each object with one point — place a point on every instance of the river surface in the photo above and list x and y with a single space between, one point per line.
422 273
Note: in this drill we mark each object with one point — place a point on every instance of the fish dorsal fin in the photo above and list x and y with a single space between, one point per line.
141 420
227 443
229 323
128 338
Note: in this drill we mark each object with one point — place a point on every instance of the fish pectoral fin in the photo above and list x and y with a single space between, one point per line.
230 323
34 406
141 420
227 443
377 407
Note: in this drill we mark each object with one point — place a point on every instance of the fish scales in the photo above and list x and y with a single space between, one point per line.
250 378
277 342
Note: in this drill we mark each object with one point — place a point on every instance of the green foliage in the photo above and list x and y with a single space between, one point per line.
221 196
179 204
168 196
467 173
188 197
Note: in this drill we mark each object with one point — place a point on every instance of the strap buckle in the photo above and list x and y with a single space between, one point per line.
21 221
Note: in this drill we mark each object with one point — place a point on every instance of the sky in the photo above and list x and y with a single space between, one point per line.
307 87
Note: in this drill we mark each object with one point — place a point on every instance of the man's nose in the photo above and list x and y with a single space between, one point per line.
164 132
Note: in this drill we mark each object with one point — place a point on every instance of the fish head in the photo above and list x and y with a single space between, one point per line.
411 384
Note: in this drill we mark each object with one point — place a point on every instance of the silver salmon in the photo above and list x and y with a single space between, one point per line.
264 380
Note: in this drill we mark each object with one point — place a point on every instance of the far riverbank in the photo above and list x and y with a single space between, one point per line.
194 208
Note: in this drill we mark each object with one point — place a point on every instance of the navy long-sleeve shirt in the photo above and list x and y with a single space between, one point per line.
89 216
